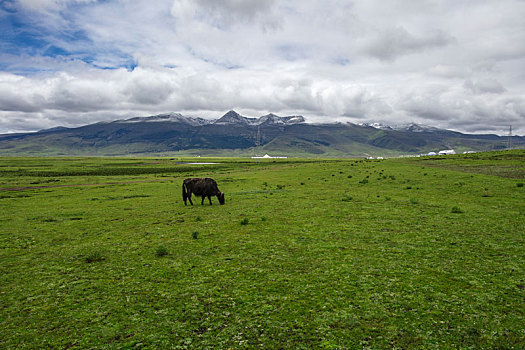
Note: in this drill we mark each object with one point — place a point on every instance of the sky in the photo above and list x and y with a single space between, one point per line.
454 64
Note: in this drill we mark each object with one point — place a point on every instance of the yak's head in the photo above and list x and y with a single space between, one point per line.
220 197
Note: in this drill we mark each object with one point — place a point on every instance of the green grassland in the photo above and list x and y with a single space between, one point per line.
326 253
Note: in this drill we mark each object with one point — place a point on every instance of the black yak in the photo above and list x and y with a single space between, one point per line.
204 187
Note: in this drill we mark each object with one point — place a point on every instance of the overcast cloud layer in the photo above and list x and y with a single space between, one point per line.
452 64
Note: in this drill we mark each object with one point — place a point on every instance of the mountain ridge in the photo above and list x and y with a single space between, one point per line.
234 134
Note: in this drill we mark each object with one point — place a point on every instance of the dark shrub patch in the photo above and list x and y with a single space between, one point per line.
456 210
347 198
161 251
94 256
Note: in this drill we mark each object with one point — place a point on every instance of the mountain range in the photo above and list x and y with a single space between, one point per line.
236 135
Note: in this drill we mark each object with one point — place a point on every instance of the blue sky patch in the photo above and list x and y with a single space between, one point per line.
24 33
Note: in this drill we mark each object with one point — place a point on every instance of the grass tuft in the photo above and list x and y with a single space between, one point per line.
456 210
161 251
94 256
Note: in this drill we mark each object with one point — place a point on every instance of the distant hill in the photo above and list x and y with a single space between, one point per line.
234 134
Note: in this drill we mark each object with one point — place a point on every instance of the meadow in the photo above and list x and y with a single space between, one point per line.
306 253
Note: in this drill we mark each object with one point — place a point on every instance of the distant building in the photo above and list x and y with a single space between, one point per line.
447 152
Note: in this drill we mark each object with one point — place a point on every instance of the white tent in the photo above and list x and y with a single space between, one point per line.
266 156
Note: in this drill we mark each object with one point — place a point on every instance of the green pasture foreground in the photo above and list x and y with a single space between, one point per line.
312 254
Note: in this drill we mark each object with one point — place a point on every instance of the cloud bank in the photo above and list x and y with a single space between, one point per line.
456 65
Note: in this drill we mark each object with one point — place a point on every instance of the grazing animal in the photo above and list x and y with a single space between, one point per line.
204 187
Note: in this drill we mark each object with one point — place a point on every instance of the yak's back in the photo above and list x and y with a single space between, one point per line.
201 186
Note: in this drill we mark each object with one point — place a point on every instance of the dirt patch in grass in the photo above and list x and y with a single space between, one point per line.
24 188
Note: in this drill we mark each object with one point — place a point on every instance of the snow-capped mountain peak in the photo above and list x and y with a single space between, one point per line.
230 118
410 127
169 117
233 117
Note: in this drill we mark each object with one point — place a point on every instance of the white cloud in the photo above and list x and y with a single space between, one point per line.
487 85
225 14
394 42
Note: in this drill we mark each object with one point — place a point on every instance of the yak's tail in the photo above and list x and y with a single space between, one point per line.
184 193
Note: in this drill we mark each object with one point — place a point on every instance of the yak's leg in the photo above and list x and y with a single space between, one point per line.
202 202
209 198
189 197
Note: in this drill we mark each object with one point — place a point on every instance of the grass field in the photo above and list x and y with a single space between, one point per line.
343 253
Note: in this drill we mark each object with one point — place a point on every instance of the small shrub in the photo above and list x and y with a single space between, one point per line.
456 210
263 218
408 187
364 181
195 234
519 184
347 198
349 176
198 219
387 198
161 251
280 187
95 256
245 221
414 201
